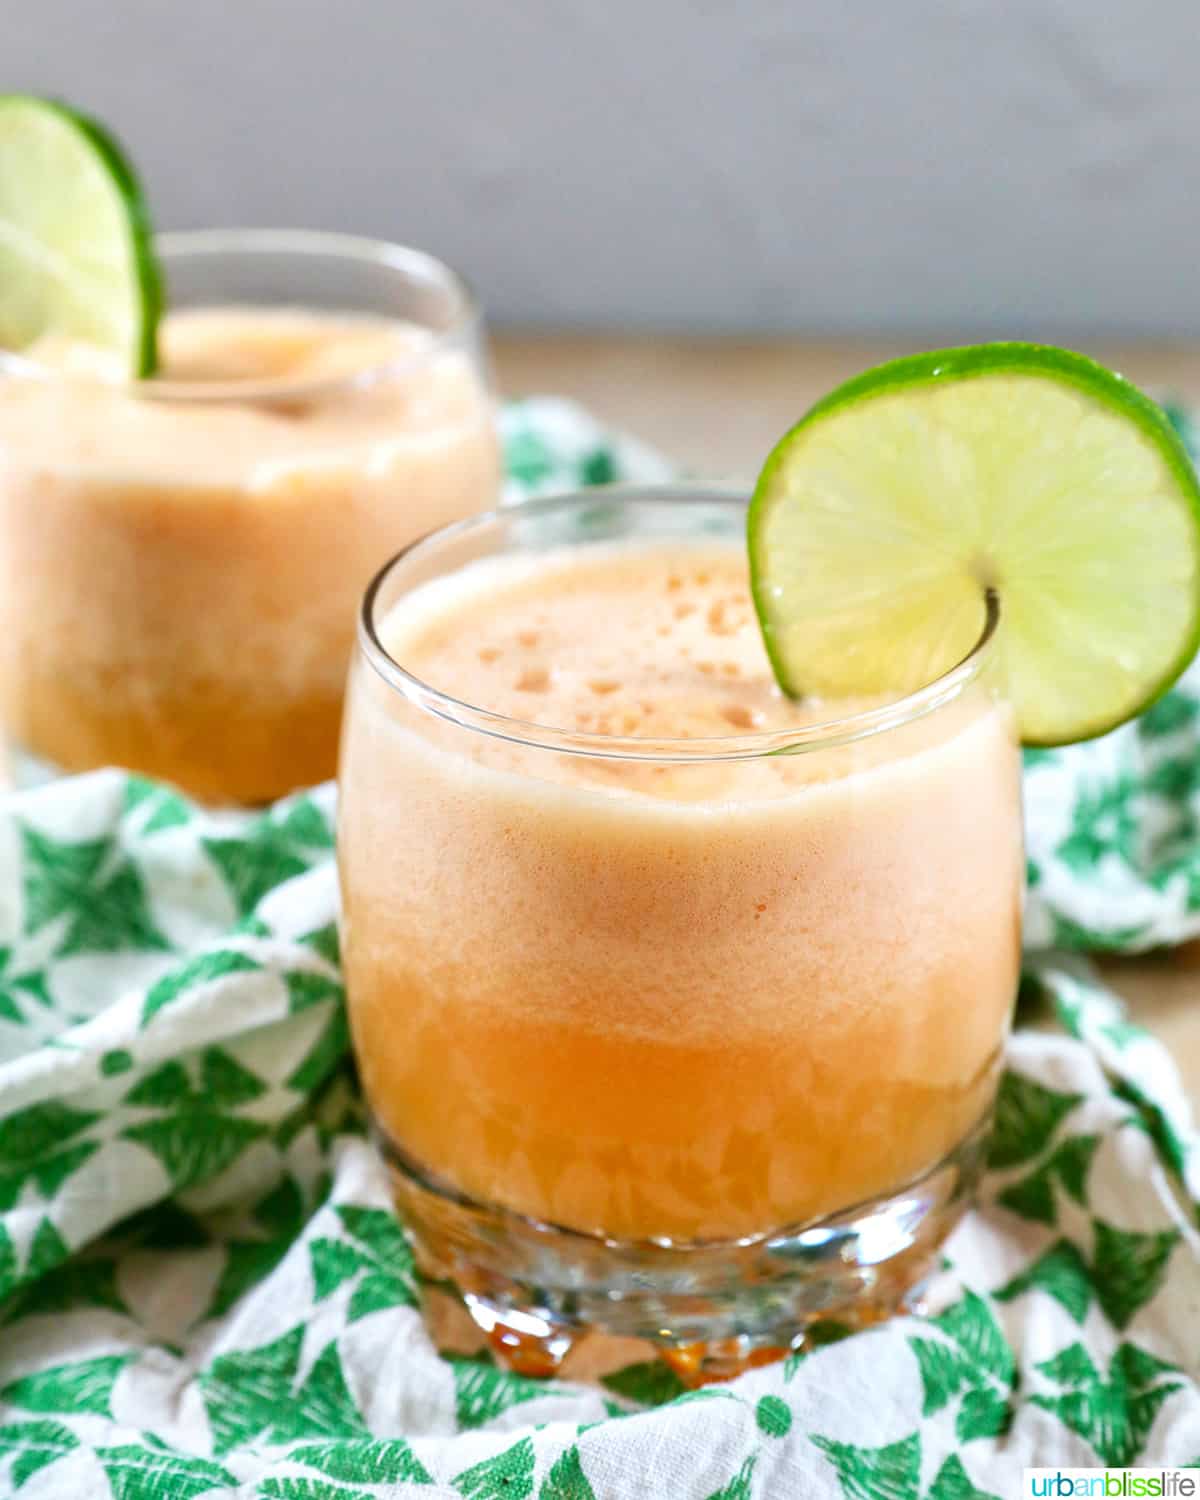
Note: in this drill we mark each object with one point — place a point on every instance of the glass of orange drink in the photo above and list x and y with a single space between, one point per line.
181 557
679 1004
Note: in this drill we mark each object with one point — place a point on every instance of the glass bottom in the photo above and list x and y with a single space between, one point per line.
22 771
712 1308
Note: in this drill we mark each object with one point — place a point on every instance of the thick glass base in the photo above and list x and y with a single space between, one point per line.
713 1309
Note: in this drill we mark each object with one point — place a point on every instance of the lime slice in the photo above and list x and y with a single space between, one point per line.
883 518
76 256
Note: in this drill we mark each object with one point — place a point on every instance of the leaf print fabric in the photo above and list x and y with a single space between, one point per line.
204 1291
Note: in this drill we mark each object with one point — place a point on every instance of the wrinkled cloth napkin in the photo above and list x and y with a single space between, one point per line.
203 1291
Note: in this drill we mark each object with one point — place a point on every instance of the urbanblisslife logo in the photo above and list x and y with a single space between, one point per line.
1112 1484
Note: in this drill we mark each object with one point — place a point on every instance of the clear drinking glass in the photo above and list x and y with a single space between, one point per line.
181 558
692 1039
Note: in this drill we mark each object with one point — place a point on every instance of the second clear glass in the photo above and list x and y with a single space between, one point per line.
181 558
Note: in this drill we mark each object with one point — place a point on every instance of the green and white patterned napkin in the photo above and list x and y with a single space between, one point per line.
203 1291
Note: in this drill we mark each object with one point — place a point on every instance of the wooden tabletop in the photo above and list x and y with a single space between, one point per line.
717 405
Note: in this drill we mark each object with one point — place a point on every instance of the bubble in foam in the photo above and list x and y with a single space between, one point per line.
717 619
740 716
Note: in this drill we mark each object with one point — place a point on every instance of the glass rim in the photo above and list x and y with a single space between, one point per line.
751 745
195 244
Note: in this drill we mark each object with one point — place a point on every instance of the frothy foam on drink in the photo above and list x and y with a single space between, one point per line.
614 642
652 643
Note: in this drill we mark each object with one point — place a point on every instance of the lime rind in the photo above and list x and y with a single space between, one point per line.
857 519
141 240
138 279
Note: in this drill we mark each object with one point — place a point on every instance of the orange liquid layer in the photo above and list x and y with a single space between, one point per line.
179 582
686 1001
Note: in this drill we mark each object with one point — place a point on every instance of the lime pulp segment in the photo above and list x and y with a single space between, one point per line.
883 517
76 254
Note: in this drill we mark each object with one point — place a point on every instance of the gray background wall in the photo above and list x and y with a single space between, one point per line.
977 166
